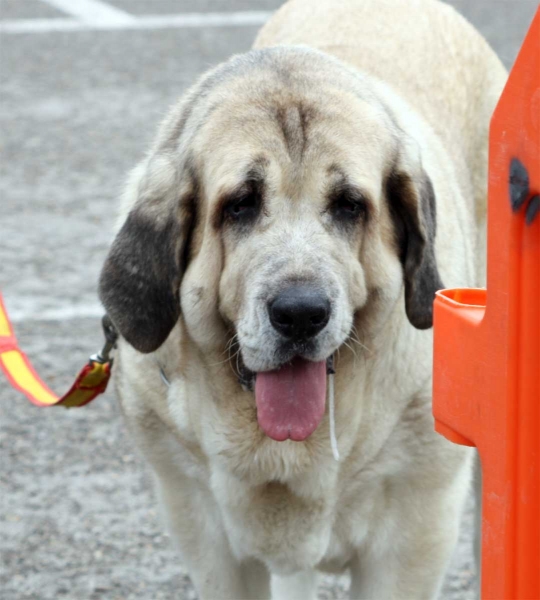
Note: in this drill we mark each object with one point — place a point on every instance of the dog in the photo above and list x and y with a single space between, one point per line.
272 279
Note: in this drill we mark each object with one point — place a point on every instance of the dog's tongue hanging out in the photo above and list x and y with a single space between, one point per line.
290 401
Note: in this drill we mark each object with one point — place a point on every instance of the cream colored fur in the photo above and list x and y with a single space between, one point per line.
240 506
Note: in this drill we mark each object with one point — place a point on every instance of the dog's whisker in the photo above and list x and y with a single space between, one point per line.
355 337
359 343
352 350
233 359
221 362
238 364
229 345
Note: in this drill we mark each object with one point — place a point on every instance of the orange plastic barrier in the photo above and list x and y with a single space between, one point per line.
487 345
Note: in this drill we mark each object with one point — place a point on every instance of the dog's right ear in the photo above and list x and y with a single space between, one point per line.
140 280
413 208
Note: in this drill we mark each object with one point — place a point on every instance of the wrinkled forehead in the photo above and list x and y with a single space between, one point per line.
294 141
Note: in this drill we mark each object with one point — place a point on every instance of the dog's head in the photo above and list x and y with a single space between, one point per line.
279 201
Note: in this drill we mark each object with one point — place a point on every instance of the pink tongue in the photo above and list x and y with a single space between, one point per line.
290 401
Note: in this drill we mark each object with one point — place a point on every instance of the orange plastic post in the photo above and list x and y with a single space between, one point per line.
487 345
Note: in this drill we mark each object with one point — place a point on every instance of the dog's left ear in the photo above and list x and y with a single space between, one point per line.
413 208
140 280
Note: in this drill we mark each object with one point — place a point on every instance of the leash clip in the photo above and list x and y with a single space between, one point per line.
111 337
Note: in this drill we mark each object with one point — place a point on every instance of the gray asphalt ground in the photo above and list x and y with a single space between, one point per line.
77 110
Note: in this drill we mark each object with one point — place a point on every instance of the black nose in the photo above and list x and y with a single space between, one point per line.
299 312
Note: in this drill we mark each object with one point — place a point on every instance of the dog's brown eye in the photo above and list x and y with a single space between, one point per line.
243 205
243 208
348 207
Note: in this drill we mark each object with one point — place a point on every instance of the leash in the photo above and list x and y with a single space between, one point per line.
91 381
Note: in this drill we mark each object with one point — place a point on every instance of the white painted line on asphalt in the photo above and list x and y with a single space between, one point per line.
91 11
41 25
63 313
148 22
231 19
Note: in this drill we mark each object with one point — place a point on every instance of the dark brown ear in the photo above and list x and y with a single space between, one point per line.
140 280
413 209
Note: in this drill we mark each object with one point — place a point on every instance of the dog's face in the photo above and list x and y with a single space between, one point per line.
292 206
280 201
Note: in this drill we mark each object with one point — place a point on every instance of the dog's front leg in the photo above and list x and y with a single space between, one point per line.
409 558
293 587
416 574
195 525
193 519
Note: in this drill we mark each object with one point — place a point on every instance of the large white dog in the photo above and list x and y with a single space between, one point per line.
296 214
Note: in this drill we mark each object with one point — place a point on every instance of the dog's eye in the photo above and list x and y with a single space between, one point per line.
244 207
346 206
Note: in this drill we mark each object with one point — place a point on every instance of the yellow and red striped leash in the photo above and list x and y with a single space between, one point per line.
91 381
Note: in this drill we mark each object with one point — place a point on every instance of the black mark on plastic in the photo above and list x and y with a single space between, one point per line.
532 209
519 184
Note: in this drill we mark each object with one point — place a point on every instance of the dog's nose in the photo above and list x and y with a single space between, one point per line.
300 312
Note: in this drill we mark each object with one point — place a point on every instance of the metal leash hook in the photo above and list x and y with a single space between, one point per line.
111 337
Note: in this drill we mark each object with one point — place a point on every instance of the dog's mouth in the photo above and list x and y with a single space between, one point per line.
291 399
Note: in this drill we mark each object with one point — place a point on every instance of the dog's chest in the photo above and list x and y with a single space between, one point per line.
284 530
